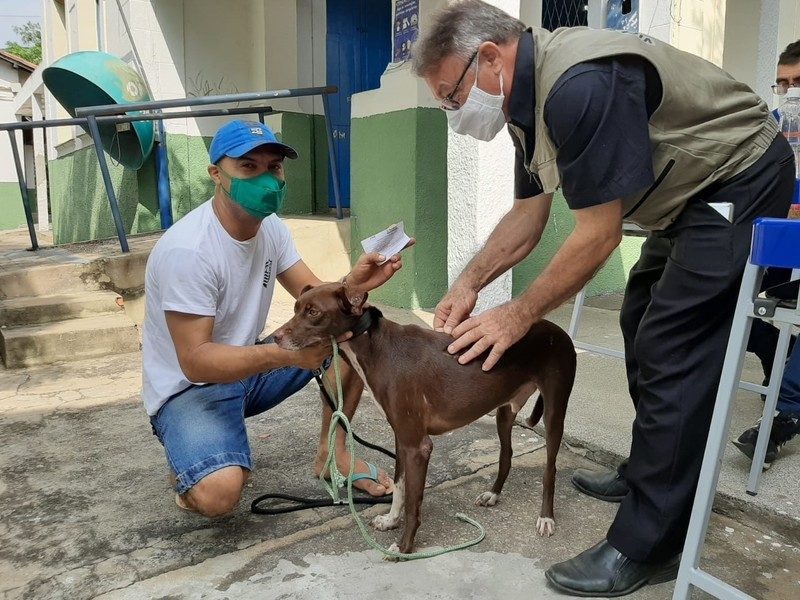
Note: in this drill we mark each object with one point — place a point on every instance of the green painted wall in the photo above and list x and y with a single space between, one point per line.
80 208
189 183
12 214
306 177
610 279
320 166
78 201
399 173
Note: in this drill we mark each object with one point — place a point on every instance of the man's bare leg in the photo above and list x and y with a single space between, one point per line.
215 494
352 388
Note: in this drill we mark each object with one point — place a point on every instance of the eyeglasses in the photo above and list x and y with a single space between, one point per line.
447 102
781 88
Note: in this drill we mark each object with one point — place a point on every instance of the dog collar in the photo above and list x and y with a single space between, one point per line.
367 321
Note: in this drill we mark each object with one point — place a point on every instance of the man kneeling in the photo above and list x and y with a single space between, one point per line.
209 284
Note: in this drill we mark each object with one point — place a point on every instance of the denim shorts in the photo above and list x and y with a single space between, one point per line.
202 428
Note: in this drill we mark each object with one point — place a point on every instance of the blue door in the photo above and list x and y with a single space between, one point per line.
358 50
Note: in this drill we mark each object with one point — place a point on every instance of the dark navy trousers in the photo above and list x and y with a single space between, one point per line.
676 319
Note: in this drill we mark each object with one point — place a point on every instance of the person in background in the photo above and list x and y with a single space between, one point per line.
764 335
786 423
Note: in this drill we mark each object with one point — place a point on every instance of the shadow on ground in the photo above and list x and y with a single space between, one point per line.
87 511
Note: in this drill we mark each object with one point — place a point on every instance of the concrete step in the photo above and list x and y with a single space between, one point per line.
48 308
47 280
73 339
123 273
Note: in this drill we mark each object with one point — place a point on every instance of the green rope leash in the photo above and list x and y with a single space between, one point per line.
338 480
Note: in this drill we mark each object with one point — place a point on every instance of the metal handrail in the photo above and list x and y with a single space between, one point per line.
81 121
112 109
92 116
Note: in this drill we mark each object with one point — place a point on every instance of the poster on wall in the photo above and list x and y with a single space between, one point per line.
623 15
406 27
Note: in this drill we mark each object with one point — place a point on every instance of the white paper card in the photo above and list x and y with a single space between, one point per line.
388 242
723 208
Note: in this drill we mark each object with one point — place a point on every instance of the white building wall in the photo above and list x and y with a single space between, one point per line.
769 45
655 19
740 59
480 190
9 86
311 51
11 81
55 44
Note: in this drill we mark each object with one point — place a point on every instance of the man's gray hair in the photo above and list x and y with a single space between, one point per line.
457 29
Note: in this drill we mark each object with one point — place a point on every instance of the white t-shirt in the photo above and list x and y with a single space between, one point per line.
198 268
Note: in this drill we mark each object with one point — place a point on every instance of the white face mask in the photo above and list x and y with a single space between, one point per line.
481 116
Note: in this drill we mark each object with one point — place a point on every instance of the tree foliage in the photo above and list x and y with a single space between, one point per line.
31 47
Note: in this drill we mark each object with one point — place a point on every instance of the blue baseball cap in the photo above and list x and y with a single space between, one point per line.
237 138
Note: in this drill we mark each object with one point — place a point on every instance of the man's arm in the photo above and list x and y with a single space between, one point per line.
204 361
512 239
367 274
598 230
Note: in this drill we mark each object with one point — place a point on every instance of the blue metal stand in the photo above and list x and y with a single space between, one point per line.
776 242
162 177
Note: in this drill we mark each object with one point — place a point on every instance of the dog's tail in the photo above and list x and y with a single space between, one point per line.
536 413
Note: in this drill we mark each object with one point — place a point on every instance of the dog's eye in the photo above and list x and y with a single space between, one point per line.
312 312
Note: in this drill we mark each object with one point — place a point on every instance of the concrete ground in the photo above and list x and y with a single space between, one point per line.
86 510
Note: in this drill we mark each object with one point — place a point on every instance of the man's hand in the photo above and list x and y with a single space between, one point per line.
312 357
498 329
456 305
368 273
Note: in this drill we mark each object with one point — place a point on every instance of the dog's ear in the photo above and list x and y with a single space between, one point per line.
357 301
352 303
305 289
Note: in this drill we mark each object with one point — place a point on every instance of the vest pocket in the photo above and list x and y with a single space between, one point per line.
661 176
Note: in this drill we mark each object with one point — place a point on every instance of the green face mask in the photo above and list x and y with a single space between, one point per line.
260 196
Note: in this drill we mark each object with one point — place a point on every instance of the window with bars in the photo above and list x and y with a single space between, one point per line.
563 13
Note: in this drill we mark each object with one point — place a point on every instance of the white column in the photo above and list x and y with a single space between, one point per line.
279 68
311 51
655 19
768 49
480 190
39 165
789 27
530 13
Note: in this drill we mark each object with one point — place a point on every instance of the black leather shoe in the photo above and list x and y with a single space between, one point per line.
607 486
601 571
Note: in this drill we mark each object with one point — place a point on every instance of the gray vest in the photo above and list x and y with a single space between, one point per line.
708 127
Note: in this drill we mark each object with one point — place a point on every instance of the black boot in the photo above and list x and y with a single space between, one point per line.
608 486
603 571
785 427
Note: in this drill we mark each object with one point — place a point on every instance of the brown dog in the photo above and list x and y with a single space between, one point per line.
424 391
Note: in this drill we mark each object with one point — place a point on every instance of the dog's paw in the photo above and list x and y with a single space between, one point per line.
393 548
545 526
385 523
487 499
